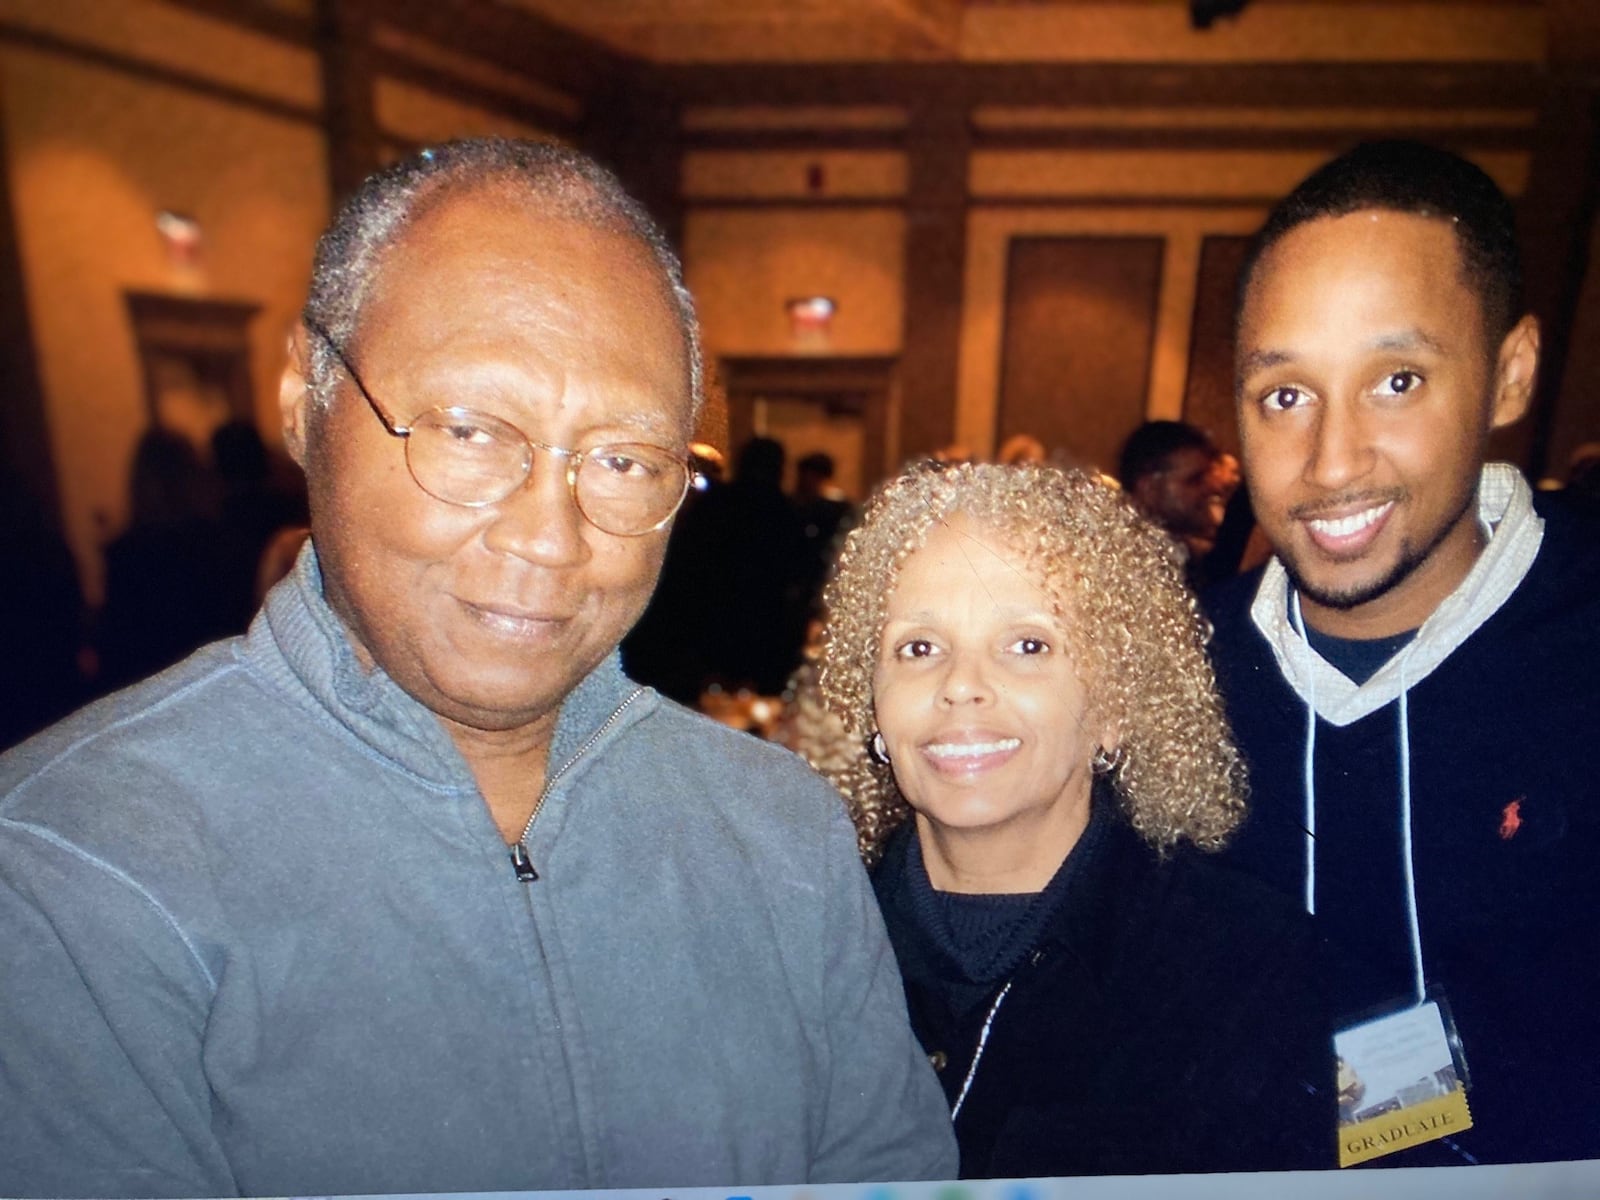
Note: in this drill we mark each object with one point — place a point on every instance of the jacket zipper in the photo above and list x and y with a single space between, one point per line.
977 1055
983 1038
520 861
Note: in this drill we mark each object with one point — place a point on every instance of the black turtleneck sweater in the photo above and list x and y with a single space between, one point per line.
1161 1015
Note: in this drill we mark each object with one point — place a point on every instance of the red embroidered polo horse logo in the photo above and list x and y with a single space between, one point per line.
1511 819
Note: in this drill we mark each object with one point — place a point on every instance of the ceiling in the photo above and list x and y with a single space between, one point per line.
751 31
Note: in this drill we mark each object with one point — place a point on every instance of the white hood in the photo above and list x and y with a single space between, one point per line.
1515 531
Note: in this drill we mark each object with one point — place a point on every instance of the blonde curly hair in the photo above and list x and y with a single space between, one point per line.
1140 650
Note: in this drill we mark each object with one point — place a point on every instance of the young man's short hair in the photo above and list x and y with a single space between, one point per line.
1413 177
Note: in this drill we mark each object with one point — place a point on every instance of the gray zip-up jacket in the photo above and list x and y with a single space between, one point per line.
259 935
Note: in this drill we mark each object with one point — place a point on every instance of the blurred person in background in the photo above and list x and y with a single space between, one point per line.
669 648
1169 469
41 618
255 508
167 590
1582 488
757 565
1021 448
825 513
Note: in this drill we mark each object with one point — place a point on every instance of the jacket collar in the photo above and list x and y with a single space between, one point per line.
1515 531
1088 892
300 643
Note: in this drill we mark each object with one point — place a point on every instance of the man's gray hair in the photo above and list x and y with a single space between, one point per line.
565 183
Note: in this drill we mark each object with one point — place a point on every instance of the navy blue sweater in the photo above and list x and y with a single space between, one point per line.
1506 837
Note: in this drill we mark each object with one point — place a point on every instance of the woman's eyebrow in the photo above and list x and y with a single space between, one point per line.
1014 612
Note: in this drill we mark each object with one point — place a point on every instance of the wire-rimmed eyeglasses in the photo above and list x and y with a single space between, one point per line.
473 459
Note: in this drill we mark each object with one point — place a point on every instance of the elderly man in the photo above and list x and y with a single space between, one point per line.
410 889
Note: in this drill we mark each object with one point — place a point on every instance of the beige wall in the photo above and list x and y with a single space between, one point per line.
419 115
1225 191
773 174
177 39
1139 31
1308 31
97 150
989 234
94 154
742 264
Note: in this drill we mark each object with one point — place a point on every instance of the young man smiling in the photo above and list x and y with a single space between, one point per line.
1413 677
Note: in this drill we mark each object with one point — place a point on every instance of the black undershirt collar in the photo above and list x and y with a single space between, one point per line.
1358 659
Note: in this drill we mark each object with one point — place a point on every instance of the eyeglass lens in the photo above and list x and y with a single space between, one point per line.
474 459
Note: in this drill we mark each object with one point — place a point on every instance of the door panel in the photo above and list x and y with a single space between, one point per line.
1079 332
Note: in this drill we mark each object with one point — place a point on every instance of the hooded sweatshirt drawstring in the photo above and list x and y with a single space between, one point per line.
1413 926
1311 754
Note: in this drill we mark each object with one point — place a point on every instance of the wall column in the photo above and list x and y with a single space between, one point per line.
632 127
937 146
1556 216
350 121
26 454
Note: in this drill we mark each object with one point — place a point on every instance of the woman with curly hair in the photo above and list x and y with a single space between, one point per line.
1039 761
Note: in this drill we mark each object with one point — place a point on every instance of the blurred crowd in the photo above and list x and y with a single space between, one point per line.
209 529
731 629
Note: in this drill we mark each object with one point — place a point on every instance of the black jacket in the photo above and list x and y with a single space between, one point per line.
1505 837
1165 1021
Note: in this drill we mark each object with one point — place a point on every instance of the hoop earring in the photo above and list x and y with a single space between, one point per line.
877 750
1103 761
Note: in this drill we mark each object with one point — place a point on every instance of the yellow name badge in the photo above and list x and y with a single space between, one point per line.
1398 1084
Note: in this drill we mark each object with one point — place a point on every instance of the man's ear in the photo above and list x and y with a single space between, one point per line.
294 393
1516 373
